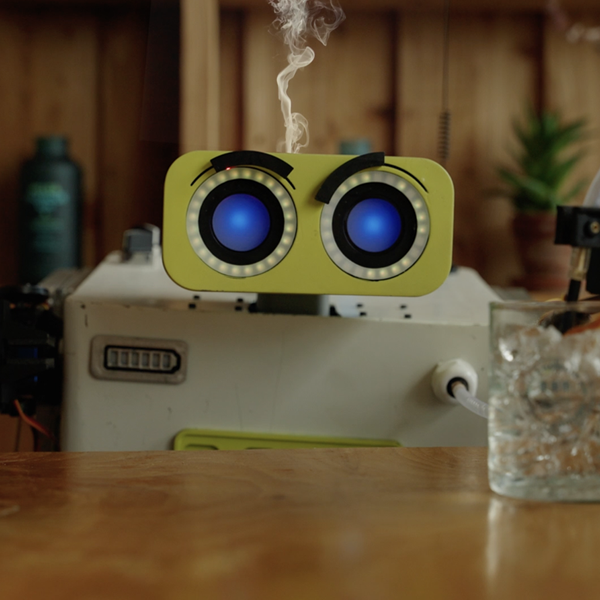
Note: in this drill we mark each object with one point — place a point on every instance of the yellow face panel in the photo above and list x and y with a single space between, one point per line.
312 236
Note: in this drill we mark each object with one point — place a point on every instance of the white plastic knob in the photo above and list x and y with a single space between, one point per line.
446 371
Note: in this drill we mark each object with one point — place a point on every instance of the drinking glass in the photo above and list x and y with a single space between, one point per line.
544 417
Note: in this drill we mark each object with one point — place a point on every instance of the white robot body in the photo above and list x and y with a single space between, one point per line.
146 359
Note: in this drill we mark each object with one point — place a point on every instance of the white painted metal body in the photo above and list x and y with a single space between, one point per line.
351 376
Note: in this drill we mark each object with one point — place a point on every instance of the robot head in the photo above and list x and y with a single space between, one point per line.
307 224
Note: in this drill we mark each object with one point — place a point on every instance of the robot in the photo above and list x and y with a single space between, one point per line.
295 301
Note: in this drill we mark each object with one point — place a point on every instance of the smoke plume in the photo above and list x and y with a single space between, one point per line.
298 20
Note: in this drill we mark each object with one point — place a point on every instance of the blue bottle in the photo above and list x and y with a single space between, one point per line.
50 211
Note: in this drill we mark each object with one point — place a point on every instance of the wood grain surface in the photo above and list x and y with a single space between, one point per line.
200 57
506 6
411 5
307 524
47 86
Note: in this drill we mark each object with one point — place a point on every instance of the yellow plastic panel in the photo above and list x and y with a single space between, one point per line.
198 439
307 268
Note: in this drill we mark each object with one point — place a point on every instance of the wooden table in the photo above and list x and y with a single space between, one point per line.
347 524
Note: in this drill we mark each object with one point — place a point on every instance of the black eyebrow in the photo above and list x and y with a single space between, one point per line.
250 158
203 172
352 166
407 173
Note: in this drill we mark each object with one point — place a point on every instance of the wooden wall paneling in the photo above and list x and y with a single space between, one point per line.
161 101
493 75
48 85
200 66
10 102
159 139
130 184
64 97
506 6
492 87
263 58
230 80
572 86
345 93
14 146
419 84
423 6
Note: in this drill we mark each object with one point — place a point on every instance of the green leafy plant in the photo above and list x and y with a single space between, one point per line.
544 160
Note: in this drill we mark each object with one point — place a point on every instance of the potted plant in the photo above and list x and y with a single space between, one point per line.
548 151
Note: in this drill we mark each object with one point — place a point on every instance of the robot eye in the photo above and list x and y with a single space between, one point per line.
241 221
375 224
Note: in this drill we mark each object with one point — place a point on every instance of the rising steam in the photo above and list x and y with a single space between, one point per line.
297 20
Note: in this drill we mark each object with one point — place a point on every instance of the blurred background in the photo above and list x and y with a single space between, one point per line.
134 83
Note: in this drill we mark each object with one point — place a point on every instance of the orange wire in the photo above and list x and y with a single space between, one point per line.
33 423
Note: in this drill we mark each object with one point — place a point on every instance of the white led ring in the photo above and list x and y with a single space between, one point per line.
290 222
414 252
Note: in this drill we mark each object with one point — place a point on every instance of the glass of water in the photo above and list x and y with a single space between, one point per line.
544 419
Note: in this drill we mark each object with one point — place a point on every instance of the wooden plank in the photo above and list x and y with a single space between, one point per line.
263 57
476 6
346 93
375 523
493 74
69 4
129 188
82 74
419 84
49 78
518 6
199 114
231 76
572 86
160 101
16 143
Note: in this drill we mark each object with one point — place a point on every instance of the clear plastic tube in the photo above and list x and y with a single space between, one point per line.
470 402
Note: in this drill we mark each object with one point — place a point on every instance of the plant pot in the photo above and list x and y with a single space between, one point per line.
545 264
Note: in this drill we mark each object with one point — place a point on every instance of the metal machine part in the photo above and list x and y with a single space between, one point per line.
29 355
579 227
138 243
59 284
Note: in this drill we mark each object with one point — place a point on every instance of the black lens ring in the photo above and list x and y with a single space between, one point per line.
408 233
220 193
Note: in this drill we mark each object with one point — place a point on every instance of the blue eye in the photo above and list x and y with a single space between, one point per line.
241 222
374 225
